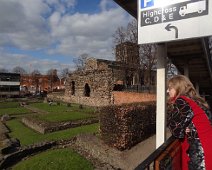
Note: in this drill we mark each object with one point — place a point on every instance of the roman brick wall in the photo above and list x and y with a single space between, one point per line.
130 97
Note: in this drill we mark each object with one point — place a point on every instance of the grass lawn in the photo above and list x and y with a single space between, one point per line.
62 108
64 116
57 159
14 111
8 104
58 113
60 159
27 136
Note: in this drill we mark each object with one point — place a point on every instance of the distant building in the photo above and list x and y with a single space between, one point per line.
38 83
127 53
9 84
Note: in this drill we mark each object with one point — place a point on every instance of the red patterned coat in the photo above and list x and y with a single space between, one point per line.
196 144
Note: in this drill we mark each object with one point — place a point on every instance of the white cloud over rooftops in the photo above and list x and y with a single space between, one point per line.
46 24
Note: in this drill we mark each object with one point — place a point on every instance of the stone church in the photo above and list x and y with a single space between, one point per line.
95 83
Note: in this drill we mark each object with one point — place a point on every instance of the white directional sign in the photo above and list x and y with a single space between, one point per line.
168 20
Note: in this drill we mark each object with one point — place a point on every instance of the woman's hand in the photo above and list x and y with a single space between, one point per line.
187 130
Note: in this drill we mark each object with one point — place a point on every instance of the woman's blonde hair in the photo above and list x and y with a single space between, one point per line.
183 86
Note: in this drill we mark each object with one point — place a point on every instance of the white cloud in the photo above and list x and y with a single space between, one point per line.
38 24
30 63
84 33
21 24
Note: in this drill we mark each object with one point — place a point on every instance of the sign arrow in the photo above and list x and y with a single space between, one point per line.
169 27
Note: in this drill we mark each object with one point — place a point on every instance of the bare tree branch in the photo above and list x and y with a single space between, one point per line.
19 69
80 61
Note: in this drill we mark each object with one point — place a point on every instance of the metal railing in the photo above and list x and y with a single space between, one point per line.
149 162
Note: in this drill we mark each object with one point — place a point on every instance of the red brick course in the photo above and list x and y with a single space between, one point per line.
130 97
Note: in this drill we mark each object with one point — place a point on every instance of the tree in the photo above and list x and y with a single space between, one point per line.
147 53
3 70
50 71
120 36
63 74
35 79
171 69
148 60
80 61
36 72
53 77
19 70
132 31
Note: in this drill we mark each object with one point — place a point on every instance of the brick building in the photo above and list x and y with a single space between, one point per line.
38 83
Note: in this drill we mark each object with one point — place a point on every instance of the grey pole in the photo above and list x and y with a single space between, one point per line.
161 95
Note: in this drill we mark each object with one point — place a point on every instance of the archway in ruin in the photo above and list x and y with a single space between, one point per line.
72 88
87 90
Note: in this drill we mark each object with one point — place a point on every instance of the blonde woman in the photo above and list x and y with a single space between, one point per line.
190 121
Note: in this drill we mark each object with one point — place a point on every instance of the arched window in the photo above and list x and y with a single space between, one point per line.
87 90
72 88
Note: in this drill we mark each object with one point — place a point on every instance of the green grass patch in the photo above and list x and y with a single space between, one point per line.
9 104
14 111
64 116
27 136
62 108
64 159
58 113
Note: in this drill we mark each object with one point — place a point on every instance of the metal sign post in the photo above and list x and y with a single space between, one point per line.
161 95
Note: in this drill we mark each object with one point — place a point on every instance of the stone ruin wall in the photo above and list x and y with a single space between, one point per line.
100 83
101 91
117 98
100 75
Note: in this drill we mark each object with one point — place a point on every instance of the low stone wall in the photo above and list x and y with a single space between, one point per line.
7 144
11 159
48 127
97 149
89 101
3 128
56 96
131 97
34 124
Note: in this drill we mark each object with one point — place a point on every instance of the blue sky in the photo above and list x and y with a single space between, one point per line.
47 34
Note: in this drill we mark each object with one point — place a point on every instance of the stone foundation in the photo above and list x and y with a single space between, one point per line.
13 158
98 149
48 127
116 98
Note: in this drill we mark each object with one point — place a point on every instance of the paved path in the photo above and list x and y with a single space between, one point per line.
126 160
141 151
